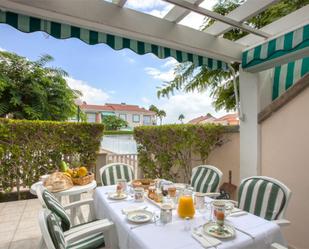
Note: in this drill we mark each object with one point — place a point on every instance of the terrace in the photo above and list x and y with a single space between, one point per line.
272 138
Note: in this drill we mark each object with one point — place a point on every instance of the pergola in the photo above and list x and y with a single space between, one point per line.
112 23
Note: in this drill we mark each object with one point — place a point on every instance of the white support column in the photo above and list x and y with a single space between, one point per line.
249 128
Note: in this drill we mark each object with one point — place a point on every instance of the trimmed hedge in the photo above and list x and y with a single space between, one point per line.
33 148
162 147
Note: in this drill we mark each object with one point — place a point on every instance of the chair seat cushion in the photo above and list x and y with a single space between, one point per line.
89 242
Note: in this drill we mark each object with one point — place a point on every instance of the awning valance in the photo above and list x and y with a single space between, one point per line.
63 31
296 41
288 74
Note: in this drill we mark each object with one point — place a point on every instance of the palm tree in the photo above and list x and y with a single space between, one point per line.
161 114
181 118
218 82
154 109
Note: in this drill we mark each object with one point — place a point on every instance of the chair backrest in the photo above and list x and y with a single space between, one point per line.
206 178
51 230
55 206
264 196
111 172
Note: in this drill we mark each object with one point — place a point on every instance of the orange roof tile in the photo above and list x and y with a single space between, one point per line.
115 107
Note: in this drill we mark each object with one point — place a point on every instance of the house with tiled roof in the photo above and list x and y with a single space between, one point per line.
228 119
133 114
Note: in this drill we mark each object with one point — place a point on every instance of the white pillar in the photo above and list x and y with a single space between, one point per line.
249 128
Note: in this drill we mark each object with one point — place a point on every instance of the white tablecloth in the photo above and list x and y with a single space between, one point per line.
173 235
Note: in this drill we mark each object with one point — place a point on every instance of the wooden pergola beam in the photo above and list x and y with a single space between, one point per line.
176 14
218 17
107 17
248 9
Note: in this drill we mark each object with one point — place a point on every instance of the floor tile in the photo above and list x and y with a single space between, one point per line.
22 234
8 226
6 236
25 244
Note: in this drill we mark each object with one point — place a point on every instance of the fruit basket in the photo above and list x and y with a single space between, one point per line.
83 180
78 175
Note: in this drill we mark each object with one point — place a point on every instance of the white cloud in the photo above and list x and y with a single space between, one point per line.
145 100
127 57
2 49
148 4
160 75
193 20
91 94
160 13
170 62
191 105
112 91
166 74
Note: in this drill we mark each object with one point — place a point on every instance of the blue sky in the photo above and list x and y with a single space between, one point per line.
105 75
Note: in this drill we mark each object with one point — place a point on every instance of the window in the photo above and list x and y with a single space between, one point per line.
123 116
147 119
136 118
91 117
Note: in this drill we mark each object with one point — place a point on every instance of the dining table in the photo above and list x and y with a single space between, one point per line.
250 231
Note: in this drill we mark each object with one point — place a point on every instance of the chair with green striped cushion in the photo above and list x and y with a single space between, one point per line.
97 236
111 172
53 204
206 179
264 196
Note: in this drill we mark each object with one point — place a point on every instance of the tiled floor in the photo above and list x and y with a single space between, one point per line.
19 228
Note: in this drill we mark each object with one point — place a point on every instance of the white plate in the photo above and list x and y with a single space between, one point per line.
115 196
139 216
212 229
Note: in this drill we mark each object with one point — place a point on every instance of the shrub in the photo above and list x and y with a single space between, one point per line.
33 148
162 147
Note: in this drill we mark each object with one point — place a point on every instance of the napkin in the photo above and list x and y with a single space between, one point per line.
205 240
133 208
239 213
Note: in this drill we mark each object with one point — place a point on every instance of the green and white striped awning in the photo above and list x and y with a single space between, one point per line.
288 74
63 31
285 45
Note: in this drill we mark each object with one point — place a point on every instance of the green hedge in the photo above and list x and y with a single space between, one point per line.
162 147
33 148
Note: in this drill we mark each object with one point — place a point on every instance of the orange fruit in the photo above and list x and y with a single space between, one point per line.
82 171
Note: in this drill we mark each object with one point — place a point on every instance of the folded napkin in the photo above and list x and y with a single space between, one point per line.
205 240
237 212
133 208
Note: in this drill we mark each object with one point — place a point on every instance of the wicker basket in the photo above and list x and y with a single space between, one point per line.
83 180
144 183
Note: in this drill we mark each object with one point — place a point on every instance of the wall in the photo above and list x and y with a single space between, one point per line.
226 158
285 156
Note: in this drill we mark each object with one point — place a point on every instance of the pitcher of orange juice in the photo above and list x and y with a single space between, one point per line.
186 205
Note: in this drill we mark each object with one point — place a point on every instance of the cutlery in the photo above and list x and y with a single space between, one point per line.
197 232
153 220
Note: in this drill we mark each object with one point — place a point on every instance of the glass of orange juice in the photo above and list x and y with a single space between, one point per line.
186 205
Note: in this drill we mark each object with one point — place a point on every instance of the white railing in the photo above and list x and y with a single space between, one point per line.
130 159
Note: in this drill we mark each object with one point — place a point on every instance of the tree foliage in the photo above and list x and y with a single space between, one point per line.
181 118
217 82
114 123
30 90
162 148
